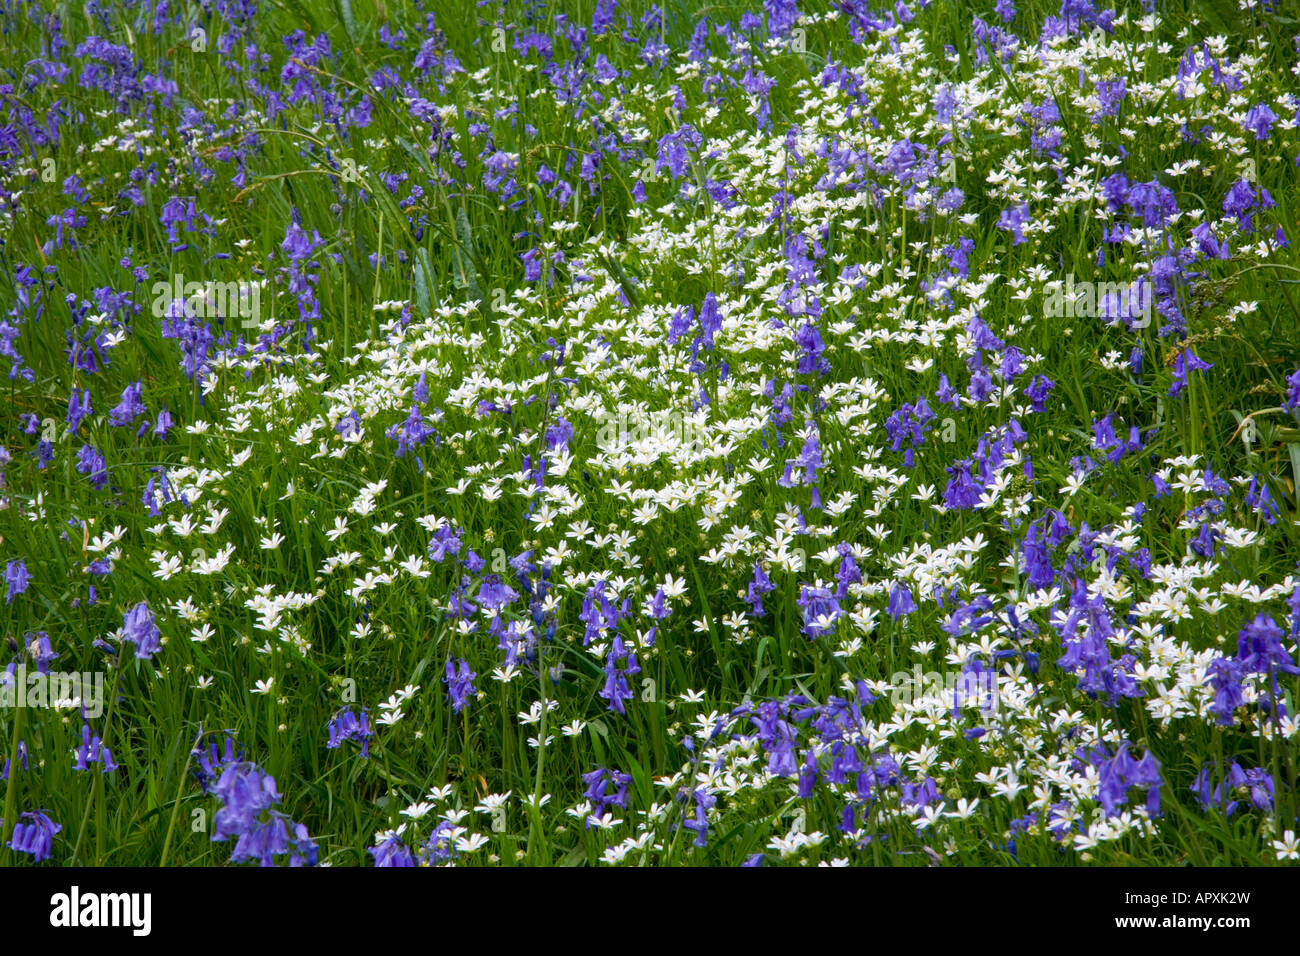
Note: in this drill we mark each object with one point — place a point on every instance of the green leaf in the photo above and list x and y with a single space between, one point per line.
423 276
349 21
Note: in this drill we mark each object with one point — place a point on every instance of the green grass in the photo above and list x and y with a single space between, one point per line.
450 256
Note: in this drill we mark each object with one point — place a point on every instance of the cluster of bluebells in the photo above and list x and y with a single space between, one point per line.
348 725
1260 652
687 226
248 813
605 789
140 630
34 835
1255 783
908 427
601 617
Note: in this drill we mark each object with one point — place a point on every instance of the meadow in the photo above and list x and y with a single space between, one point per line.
763 433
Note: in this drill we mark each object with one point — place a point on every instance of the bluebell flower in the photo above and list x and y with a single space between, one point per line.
445 542
820 610
1292 400
659 605
79 409
347 725
163 424
495 593
129 408
699 822
392 852
1111 94
1259 120
599 782
275 836
559 435
1224 676
91 751
245 790
411 433
16 579
848 572
36 837
1260 649
1210 796
138 628
901 603
1039 388
440 847
1186 362
460 684
710 320
1243 200
91 463
297 245
1121 773
1014 219
39 650
1261 500
759 585
674 151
